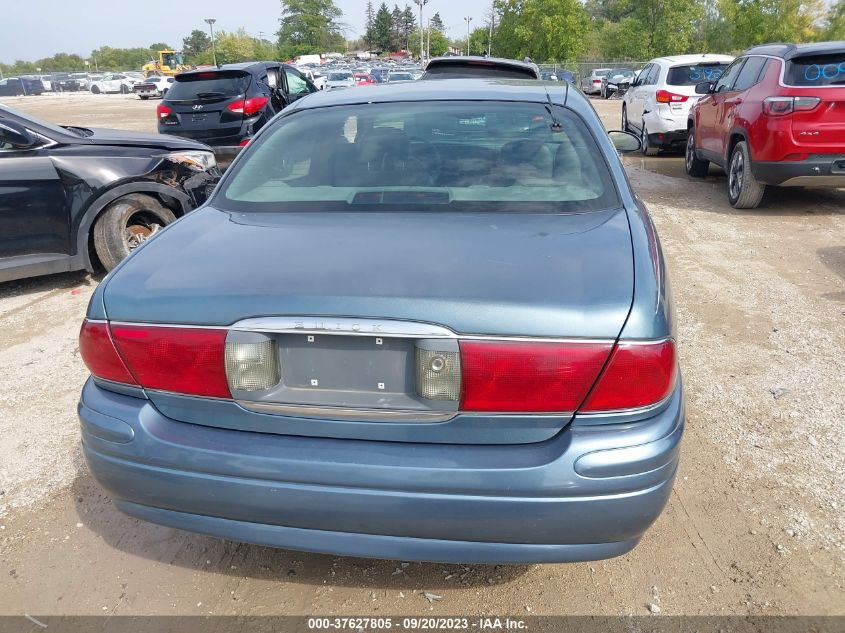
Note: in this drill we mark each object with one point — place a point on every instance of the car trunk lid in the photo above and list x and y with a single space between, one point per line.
352 301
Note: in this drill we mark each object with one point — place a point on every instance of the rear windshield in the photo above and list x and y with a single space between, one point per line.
423 156
827 70
695 73
479 69
208 86
340 76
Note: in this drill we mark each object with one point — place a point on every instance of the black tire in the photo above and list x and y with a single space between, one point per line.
695 166
647 149
95 90
744 190
143 97
124 89
625 126
125 224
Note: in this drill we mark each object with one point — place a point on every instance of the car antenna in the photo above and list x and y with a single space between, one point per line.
556 125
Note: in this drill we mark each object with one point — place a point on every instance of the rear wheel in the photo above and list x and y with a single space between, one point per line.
625 127
124 89
127 223
646 149
696 167
744 191
143 97
95 90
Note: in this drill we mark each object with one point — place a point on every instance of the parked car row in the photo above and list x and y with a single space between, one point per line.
774 116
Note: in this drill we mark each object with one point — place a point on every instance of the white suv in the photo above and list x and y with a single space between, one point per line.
658 102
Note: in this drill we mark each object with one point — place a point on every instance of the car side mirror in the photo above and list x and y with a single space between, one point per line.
704 87
624 142
16 135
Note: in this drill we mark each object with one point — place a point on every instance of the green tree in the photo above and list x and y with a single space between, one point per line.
835 22
308 26
370 16
544 30
409 23
160 46
760 21
197 42
397 34
437 23
478 41
382 29
439 42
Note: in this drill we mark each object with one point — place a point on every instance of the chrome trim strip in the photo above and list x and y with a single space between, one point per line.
185 326
340 413
345 326
628 412
387 328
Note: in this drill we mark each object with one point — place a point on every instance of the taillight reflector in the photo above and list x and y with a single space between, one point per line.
163 111
182 360
664 96
99 353
637 375
528 376
248 106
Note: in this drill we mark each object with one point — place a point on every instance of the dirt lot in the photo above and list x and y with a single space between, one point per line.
754 525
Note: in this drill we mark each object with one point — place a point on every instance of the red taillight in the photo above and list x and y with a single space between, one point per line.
530 376
163 111
182 360
100 355
637 375
779 106
664 96
244 143
596 81
249 106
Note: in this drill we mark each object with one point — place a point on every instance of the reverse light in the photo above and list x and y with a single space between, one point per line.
664 96
163 111
252 363
530 377
637 375
438 375
248 107
779 106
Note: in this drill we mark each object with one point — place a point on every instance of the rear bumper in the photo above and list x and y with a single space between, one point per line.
587 494
814 172
674 138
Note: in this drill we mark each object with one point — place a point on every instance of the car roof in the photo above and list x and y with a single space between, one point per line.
791 51
465 89
468 60
686 59
251 67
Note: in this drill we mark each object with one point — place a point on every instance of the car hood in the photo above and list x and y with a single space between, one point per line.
477 273
105 136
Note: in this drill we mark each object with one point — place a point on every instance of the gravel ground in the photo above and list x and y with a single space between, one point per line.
754 525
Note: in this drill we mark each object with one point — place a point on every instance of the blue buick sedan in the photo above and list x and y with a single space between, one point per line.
423 322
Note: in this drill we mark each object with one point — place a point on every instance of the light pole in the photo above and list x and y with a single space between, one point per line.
490 35
467 19
421 4
210 22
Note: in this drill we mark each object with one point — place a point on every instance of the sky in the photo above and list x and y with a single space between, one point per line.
44 27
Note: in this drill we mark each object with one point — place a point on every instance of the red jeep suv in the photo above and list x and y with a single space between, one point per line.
776 116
